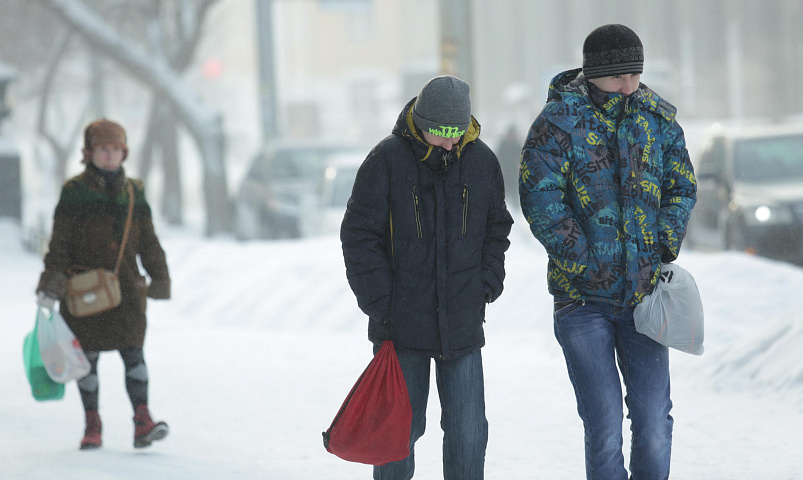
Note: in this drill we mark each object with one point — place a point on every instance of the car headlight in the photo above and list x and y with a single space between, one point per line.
768 215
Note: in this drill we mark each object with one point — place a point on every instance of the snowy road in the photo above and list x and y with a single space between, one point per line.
248 376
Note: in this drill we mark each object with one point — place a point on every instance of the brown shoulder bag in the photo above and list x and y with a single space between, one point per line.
96 290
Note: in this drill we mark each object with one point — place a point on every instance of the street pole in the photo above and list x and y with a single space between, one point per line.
456 35
267 77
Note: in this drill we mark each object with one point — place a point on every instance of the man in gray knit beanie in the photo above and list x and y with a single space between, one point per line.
443 107
424 239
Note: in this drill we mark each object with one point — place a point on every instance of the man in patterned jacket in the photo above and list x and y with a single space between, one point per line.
607 187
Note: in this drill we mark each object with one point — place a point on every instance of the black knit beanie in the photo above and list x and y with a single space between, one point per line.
612 50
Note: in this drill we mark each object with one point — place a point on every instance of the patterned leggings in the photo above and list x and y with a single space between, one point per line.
136 379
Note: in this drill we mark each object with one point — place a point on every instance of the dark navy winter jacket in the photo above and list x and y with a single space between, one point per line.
424 239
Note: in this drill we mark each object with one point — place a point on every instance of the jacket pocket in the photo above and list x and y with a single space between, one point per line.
417 214
563 308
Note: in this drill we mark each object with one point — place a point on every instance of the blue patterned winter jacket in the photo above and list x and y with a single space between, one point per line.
607 187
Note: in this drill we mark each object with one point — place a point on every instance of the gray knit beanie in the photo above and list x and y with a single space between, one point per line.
443 107
612 50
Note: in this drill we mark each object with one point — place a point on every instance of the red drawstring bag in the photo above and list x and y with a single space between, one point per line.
373 424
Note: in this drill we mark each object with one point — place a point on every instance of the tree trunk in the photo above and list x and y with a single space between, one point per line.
60 143
172 204
161 139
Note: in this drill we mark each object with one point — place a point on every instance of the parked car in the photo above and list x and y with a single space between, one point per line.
750 192
281 188
334 191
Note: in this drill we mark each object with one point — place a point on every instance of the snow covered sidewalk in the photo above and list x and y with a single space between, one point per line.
249 377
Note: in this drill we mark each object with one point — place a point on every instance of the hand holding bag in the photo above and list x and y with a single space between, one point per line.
96 290
60 351
373 424
672 314
42 386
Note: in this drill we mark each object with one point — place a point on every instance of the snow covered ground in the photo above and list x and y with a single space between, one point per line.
262 341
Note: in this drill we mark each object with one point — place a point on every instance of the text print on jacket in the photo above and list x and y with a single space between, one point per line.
424 239
607 187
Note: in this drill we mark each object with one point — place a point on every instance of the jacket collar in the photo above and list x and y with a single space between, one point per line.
97 180
405 128
576 92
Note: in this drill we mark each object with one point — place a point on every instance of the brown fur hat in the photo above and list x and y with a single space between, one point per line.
103 132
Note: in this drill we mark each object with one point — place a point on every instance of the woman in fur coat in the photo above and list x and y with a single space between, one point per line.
87 233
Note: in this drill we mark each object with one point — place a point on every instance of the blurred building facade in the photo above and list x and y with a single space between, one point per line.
717 59
344 67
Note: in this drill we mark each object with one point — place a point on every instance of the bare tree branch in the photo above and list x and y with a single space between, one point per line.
61 146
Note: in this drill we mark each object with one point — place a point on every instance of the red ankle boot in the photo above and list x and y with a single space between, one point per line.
145 430
92 433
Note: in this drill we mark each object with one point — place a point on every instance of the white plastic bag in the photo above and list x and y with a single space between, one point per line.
61 352
672 314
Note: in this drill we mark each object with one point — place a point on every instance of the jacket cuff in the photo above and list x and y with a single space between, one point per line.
53 283
159 288
666 255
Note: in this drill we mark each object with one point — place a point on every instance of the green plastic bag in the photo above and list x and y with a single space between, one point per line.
42 386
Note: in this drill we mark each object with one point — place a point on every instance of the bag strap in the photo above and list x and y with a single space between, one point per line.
127 228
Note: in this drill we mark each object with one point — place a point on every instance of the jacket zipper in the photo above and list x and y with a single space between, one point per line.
417 215
619 118
465 209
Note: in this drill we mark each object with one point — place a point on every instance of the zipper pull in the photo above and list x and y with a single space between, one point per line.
417 214
465 209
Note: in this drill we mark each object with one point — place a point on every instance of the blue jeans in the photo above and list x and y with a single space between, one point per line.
595 337
465 429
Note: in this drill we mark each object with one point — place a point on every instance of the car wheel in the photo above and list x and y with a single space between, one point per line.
690 240
294 229
249 222
735 238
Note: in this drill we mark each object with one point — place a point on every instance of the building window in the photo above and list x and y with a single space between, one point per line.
352 5
359 13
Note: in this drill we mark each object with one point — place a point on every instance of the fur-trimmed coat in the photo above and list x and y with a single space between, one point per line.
87 231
